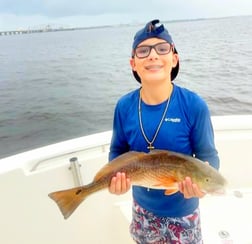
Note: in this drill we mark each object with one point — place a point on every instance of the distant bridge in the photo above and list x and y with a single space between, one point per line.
38 29
20 32
48 29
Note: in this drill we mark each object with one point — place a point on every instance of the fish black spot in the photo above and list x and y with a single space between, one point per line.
78 192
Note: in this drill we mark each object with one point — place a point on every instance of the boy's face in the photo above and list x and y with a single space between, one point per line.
155 67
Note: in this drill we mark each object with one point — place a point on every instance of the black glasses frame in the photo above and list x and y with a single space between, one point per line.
150 47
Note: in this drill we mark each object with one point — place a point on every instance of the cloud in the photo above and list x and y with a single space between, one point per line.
81 13
64 8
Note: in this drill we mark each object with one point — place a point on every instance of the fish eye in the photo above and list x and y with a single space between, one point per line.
207 179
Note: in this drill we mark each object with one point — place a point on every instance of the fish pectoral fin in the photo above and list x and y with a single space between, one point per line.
170 191
168 183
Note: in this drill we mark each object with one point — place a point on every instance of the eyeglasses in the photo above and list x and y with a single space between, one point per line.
160 48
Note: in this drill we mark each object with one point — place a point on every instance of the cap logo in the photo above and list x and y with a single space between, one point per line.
151 28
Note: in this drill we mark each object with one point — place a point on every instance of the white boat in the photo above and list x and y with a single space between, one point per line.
29 216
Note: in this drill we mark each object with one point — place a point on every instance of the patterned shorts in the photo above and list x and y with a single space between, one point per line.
146 228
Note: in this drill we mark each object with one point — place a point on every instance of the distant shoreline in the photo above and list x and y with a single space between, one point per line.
48 28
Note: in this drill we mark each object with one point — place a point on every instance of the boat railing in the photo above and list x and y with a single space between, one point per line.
100 148
230 125
34 159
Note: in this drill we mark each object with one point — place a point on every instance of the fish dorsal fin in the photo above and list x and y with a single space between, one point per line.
160 152
176 154
157 151
117 164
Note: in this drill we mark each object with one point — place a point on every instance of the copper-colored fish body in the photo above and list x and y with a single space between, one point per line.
159 169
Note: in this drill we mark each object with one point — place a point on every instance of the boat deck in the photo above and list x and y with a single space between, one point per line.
29 216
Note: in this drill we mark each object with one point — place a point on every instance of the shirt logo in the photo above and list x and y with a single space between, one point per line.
173 120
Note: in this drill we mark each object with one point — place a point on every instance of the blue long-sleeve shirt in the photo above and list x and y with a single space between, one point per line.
187 129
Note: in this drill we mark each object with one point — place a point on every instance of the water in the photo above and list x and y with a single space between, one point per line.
61 85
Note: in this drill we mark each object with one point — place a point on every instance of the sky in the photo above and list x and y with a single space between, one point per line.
32 14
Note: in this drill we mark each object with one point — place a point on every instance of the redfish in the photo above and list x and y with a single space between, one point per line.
159 169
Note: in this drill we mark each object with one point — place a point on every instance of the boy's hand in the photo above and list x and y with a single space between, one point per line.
120 184
189 189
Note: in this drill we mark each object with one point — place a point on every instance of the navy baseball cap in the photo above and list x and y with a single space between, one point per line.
152 29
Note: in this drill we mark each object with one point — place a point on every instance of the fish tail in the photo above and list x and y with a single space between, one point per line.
69 200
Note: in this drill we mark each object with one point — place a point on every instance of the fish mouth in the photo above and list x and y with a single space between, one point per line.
218 192
154 67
